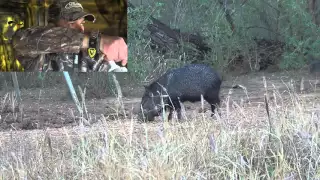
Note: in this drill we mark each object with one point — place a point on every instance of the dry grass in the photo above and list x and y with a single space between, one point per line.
242 143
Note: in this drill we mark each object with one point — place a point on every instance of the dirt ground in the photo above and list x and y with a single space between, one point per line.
48 108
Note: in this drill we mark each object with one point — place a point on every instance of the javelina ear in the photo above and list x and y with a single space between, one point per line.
145 86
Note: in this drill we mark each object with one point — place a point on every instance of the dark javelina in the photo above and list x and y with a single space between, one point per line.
187 83
314 66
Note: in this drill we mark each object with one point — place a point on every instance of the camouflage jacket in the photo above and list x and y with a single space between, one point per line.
49 47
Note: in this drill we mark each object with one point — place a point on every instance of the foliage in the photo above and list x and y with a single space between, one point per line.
286 21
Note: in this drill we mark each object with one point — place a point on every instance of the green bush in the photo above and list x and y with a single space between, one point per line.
286 21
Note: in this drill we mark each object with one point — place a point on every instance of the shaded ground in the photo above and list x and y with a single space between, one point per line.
51 108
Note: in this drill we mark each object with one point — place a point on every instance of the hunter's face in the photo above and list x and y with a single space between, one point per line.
78 24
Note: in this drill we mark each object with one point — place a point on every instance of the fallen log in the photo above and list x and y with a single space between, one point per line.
168 39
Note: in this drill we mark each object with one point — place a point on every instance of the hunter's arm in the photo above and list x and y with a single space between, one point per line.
43 40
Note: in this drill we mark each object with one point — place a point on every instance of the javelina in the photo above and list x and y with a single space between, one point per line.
187 83
314 66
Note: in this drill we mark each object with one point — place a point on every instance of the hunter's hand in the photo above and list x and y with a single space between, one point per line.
114 49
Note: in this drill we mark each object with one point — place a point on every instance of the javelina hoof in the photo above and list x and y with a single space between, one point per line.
213 114
204 110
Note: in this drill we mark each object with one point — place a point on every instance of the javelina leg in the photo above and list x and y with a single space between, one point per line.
170 114
214 102
213 107
179 113
170 108
177 108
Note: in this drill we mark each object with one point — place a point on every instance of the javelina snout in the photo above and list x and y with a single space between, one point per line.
151 105
187 83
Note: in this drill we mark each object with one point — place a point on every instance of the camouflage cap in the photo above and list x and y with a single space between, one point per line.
70 10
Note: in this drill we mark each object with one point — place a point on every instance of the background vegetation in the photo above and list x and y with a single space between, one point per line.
231 29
